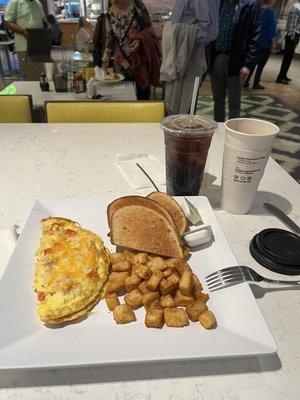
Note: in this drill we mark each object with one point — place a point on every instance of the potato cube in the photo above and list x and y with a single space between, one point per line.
132 282
153 304
112 301
173 278
129 256
134 299
167 301
155 280
114 287
118 276
208 320
182 300
171 262
123 314
167 272
167 286
179 264
175 317
121 266
143 271
117 257
198 295
143 288
197 283
157 264
155 318
194 310
186 283
140 258
150 297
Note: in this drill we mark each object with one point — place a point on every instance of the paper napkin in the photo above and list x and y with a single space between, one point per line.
136 178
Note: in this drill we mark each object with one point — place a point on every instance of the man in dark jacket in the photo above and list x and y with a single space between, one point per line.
234 52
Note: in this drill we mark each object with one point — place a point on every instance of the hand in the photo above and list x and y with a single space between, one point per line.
125 64
134 46
244 73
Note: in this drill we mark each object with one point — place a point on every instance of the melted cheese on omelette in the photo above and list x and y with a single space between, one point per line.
70 270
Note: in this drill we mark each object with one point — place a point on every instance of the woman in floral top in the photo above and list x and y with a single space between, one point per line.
132 44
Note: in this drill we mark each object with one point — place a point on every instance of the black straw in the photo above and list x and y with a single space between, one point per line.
148 177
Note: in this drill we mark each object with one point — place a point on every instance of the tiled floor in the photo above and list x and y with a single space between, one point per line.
289 94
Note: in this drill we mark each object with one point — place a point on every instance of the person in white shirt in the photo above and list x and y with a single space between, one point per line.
19 16
84 34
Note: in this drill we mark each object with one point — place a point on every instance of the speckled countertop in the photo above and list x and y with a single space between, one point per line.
80 160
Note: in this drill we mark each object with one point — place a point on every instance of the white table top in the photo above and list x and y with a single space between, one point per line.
43 161
118 91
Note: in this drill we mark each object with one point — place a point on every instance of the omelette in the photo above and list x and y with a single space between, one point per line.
71 268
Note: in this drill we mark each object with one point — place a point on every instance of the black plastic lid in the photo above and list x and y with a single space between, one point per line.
277 250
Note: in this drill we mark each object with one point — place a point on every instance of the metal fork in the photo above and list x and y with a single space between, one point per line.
234 275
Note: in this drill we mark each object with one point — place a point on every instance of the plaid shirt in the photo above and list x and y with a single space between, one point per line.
227 24
293 21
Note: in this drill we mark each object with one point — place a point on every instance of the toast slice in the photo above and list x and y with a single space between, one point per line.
172 207
137 200
145 229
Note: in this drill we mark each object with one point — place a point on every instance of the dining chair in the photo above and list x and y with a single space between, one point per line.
39 45
104 112
15 108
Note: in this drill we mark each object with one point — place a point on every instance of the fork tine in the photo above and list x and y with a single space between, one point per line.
227 285
226 282
224 276
222 270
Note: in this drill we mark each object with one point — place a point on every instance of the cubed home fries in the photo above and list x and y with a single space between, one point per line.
167 288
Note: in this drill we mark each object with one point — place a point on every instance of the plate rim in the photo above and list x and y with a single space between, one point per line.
110 82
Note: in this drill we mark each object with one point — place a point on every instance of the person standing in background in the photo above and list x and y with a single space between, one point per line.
55 29
84 34
267 42
19 16
132 44
99 40
291 42
194 24
234 53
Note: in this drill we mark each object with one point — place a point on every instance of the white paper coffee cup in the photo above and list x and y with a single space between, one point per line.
248 144
49 70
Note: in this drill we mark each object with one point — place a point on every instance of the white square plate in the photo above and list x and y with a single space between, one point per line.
26 343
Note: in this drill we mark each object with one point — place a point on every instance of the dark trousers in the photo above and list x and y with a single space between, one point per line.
263 57
222 84
143 94
289 51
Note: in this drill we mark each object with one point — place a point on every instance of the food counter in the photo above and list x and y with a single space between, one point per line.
68 28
